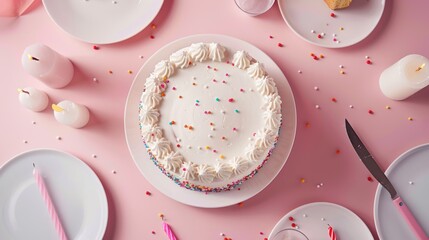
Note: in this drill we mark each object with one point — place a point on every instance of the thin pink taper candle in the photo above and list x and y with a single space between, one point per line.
167 229
51 208
331 233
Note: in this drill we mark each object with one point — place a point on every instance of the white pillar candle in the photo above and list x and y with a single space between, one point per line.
48 66
33 99
406 77
71 114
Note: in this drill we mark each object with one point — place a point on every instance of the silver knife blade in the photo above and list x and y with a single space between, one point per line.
369 161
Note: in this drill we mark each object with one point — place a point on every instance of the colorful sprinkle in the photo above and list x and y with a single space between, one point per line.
152 36
110 72
207 147
162 94
316 88
302 180
387 107
351 106
174 88
341 28
370 111
191 128
241 90
319 36
291 218
194 84
237 111
307 125
317 107
178 145
234 129
172 123
224 82
95 47
223 138
148 193
338 151
333 99
130 72
222 156
333 15
410 119
261 233
271 37
370 179
368 61
280 44
342 72
180 97
293 225
214 80
226 74
231 100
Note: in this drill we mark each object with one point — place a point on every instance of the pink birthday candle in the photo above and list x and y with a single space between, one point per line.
51 208
167 230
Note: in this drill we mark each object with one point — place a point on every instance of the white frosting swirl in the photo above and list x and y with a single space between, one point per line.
266 85
256 70
254 153
223 171
241 59
164 69
272 102
149 116
151 132
172 161
272 120
181 59
265 138
199 52
151 99
155 84
217 52
188 171
205 173
160 147
239 165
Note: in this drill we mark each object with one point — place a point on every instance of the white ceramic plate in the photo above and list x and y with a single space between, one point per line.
412 166
250 187
102 21
75 190
357 21
312 219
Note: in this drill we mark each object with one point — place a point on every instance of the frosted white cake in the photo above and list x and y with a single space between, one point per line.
209 118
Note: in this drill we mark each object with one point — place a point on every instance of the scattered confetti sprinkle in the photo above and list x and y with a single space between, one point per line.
293 225
153 25
368 62
94 79
319 36
33 122
341 66
271 37
222 234
317 107
208 147
312 31
370 179
332 15
280 44
370 111
153 232
148 193
291 218
307 125
222 156
367 57
342 72
237 111
318 186
234 129
299 71
351 106
387 107
410 119
95 47
341 28
114 171
333 99
304 215
152 37
411 182
25 141
241 204
110 72
231 100
323 219
338 151
94 156
316 88
261 233
141 56
58 137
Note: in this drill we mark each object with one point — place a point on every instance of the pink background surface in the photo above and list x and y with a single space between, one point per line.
133 214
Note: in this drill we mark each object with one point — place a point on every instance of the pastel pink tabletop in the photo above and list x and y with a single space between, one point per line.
321 153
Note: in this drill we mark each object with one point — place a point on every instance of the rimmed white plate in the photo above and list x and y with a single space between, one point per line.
357 21
312 219
412 166
75 190
102 21
250 187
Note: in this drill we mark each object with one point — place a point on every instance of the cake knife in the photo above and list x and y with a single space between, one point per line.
375 170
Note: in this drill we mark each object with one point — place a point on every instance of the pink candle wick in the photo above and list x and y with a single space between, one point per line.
48 202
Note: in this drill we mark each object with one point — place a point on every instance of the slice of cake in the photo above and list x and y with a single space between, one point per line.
209 117
338 4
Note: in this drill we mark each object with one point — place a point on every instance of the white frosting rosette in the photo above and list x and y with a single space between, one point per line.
241 59
256 70
172 161
199 52
205 173
151 132
164 69
181 59
217 52
149 116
